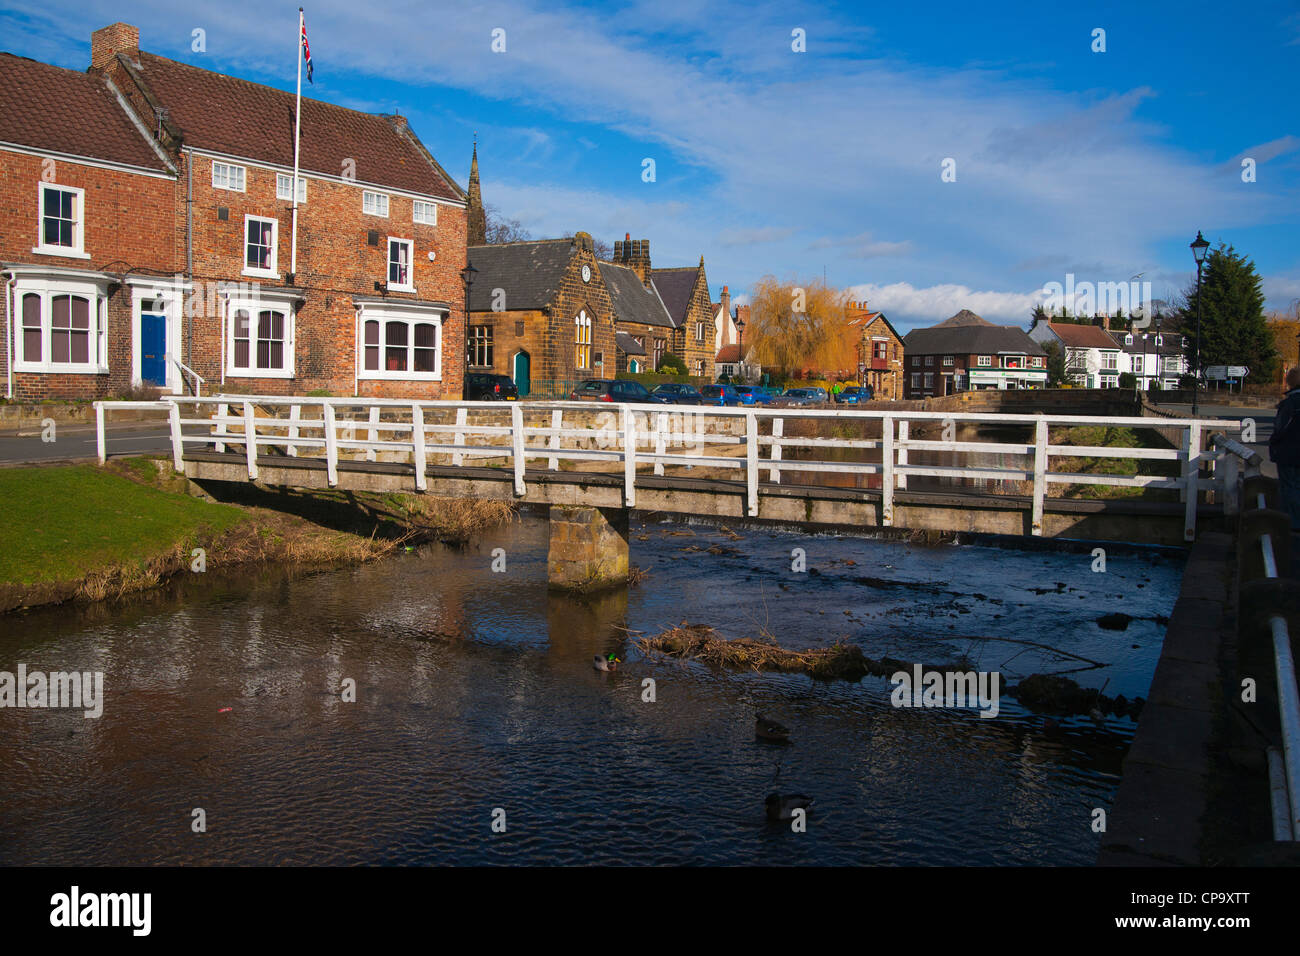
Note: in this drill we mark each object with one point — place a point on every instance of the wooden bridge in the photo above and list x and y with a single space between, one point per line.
593 462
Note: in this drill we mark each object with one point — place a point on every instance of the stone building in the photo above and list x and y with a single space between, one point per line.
541 312
684 293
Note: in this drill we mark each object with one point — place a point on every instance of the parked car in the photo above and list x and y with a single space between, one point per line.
608 390
802 397
748 394
678 394
766 394
720 395
486 387
853 395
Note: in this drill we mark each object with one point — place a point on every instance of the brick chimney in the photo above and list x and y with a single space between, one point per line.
635 254
726 301
107 42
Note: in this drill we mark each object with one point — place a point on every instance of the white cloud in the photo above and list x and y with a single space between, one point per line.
910 306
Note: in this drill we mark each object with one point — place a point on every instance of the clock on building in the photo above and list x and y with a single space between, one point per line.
586 273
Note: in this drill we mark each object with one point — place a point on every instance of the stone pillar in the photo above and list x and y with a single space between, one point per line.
588 549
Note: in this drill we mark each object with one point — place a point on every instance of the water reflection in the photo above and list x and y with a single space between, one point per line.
475 691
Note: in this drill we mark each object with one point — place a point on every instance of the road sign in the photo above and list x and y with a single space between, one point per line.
1223 372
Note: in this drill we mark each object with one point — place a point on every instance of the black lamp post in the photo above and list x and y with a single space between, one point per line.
467 278
740 348
1199 245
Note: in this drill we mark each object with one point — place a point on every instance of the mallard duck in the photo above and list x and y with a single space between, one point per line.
609 663
770 729
782 806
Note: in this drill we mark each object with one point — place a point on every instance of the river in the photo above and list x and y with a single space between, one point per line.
475 691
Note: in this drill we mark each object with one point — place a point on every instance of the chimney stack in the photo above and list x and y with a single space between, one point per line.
107 42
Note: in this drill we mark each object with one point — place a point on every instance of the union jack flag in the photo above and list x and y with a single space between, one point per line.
306 50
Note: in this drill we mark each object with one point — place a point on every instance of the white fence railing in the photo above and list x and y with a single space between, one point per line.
750 442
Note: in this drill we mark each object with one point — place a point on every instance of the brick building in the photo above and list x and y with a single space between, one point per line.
86 217
645 329
373 304
540 312
967 352
880 351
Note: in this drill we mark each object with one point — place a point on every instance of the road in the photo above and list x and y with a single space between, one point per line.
77 443
1263 417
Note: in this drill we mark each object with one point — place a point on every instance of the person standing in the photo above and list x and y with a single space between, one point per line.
1284 446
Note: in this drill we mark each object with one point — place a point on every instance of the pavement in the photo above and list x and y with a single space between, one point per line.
1263 417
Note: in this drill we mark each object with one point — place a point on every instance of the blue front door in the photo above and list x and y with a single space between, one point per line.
153 349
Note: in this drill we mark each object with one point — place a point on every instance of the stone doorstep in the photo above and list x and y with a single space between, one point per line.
1165 807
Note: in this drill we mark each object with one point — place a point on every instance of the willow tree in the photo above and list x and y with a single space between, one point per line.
796 325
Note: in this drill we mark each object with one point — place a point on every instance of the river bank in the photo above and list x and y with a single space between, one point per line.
81 533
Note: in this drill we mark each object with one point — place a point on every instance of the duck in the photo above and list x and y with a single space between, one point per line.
770 730
609 663
782 806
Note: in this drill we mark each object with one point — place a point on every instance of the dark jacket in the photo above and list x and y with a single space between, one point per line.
1284 445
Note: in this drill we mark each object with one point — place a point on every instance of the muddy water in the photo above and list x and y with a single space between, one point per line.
475 692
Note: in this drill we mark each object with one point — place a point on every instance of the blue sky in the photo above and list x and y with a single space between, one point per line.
770 161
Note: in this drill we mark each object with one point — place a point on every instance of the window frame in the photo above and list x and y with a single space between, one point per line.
78 248
48 288
256 271
477 345
410 318
243 176
367 194
582 343
984 361
416 204
255 306
287 195
408 286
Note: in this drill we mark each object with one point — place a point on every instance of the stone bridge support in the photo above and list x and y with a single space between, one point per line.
588 549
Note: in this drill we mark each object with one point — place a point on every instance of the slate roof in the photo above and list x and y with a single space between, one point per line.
529 272
628 345
968 334
674 287
633 302
226 114
1083 336
1171 343
49 108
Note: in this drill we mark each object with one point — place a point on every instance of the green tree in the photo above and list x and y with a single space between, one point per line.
672 363
1055 364
1233 328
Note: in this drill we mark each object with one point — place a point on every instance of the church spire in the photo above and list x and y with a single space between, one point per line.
476 225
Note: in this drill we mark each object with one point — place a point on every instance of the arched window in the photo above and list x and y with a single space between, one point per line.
582 341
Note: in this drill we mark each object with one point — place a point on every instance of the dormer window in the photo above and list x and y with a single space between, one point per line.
1128 338
1160 340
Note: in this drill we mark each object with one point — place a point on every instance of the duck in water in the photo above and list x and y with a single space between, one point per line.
782 806
768 729
607 663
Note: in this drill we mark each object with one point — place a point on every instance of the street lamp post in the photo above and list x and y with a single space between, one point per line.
467 278
1199 245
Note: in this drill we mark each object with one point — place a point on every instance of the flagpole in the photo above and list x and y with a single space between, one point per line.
297 131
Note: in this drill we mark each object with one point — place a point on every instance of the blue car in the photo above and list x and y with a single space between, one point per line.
853 395
721 395
764 395
748 394
678 394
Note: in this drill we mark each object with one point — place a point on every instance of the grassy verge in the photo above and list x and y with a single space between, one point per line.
87 533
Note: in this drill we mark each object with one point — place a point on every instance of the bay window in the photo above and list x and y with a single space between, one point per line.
59 325
400 344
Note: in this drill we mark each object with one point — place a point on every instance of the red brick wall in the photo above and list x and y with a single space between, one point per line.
129 224
335 262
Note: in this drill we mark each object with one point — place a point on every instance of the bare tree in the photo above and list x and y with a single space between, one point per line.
500 229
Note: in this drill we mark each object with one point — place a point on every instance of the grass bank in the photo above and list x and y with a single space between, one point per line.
86 533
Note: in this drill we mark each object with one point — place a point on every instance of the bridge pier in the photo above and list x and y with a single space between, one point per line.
588 548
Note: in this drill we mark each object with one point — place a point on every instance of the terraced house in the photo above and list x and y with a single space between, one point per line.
86 224
364 296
